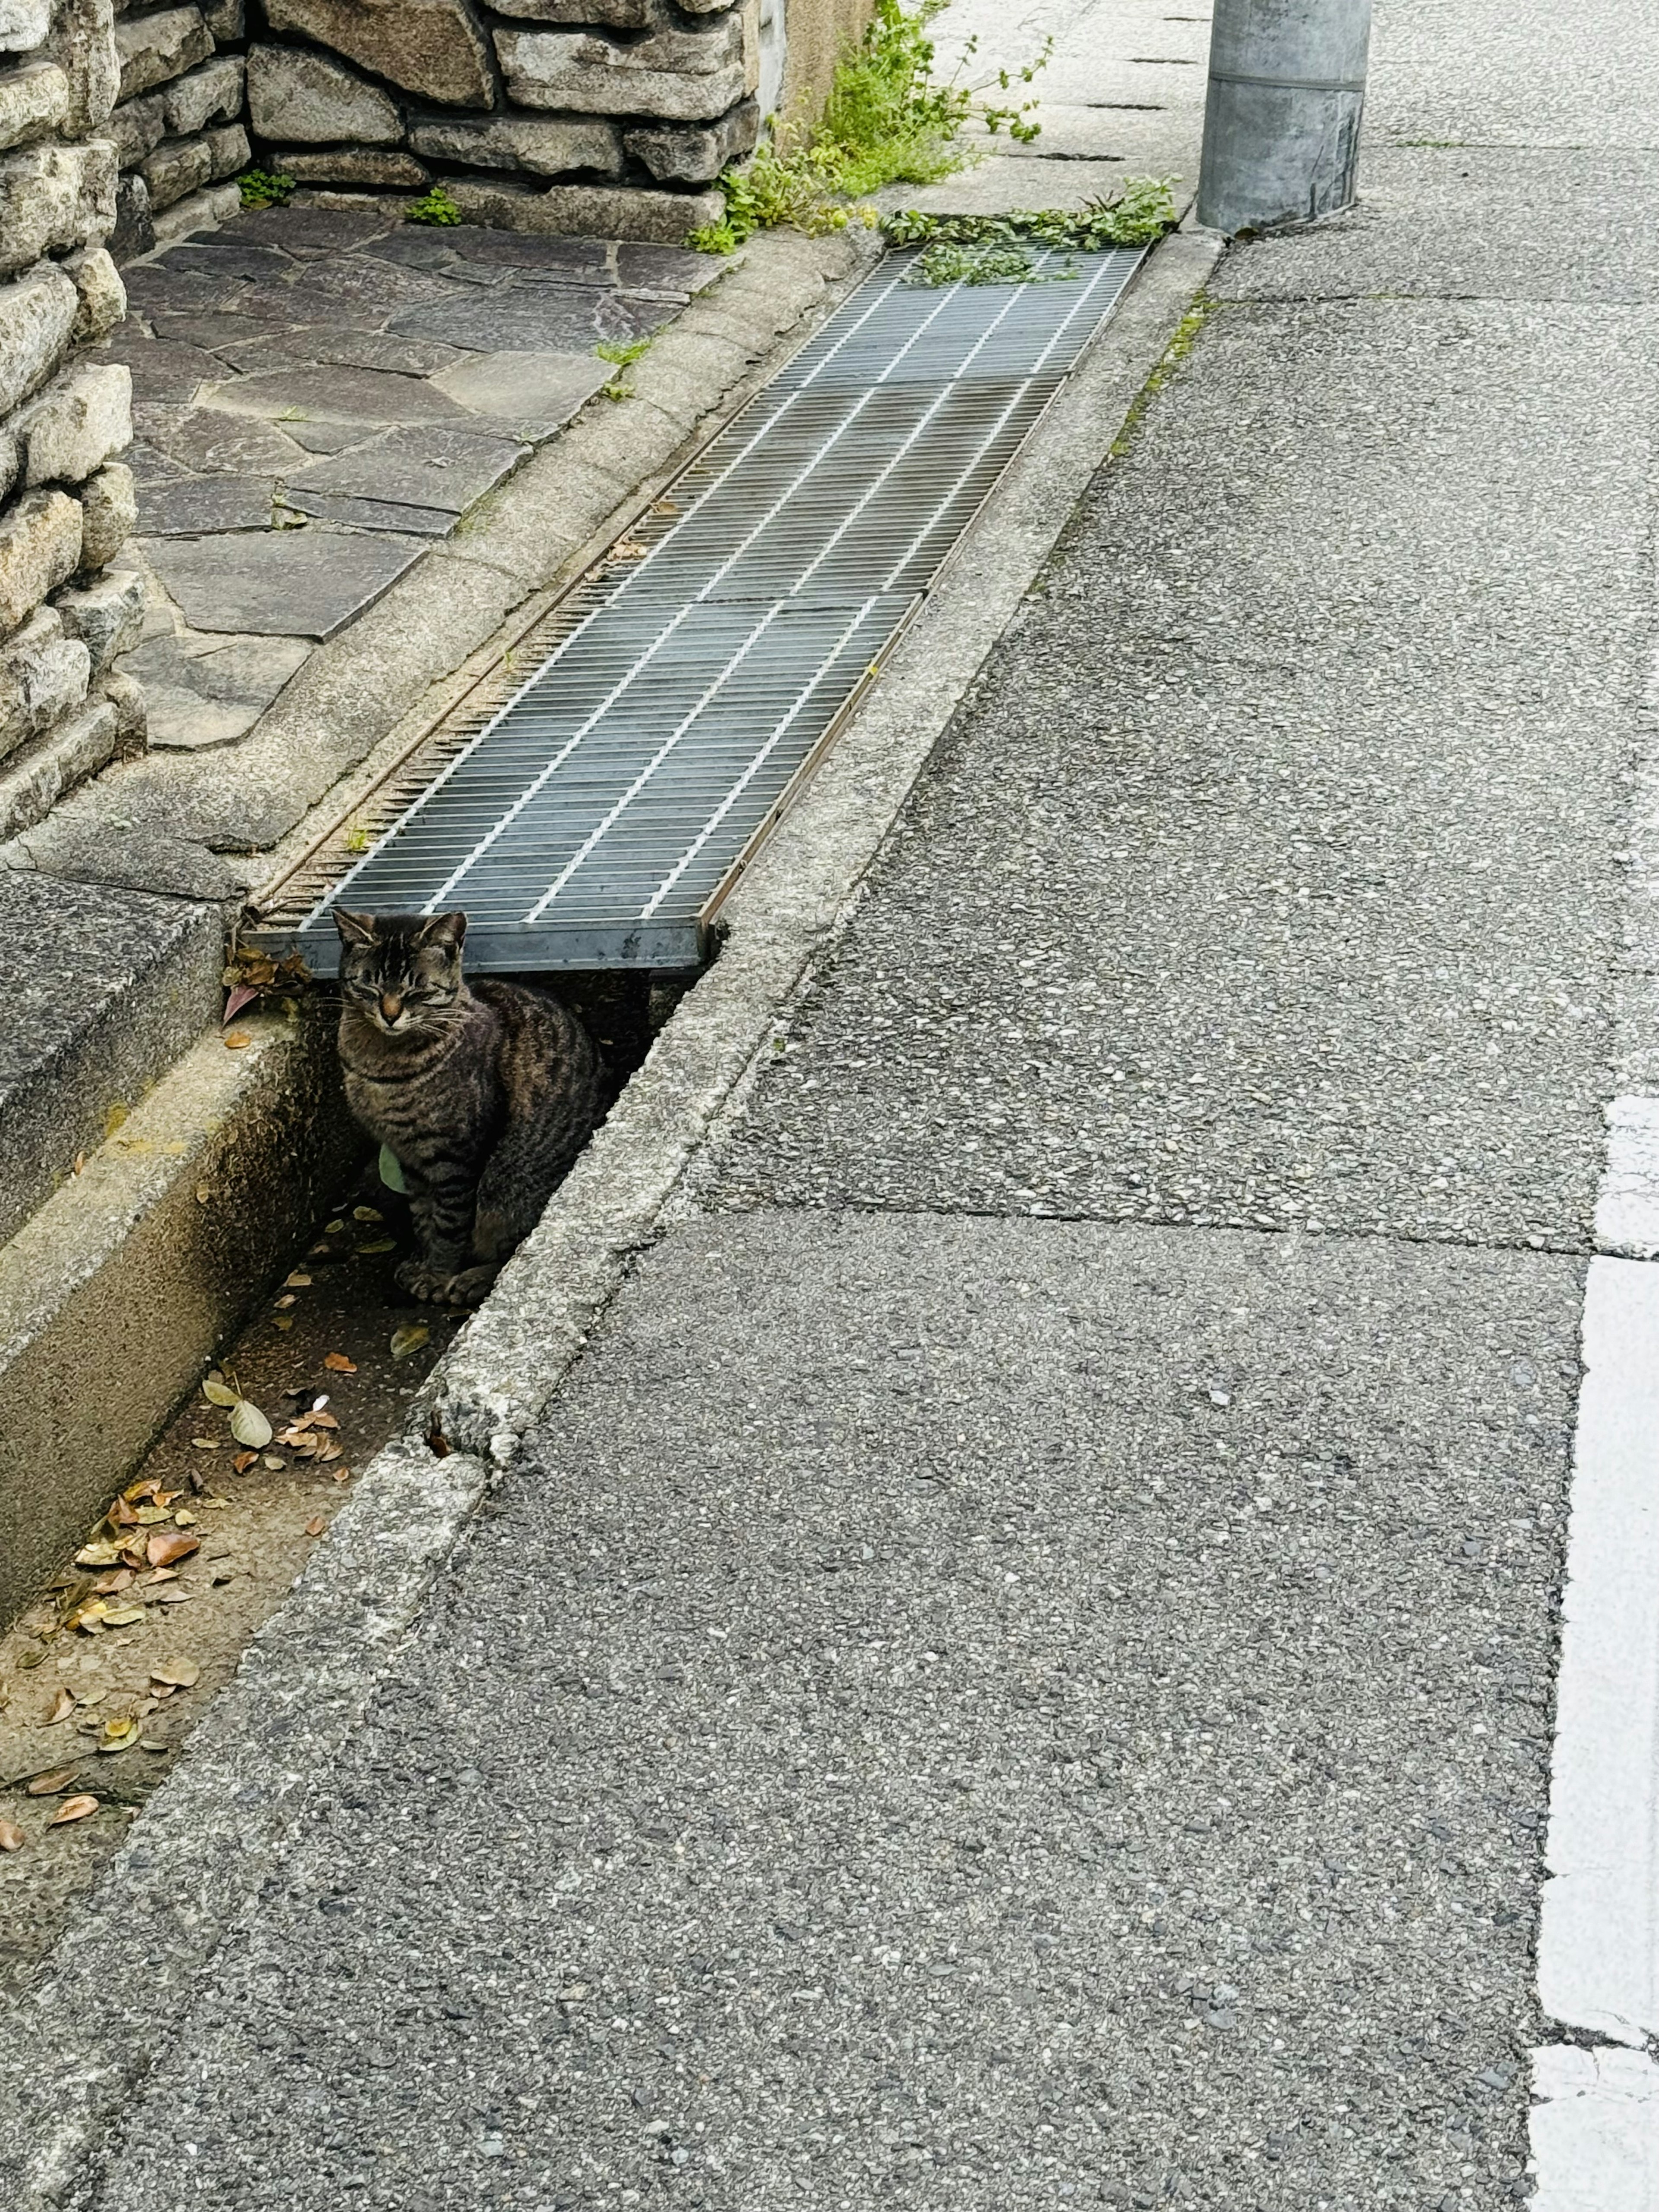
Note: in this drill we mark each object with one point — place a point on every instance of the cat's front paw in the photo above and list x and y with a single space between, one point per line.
470 1288
420 1280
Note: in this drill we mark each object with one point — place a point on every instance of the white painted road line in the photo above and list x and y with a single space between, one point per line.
1595 2130
1627 1209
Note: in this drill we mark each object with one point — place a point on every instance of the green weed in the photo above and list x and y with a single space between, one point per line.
433 207
624 357
886 121
264 188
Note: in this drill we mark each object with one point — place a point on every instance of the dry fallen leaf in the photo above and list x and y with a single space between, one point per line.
179 1673
410 1338
49 1785
238 1039
316 1526
149 1515
276 1466
249 1426
365 1213
174 1597
63 1706
243 1461
208 1443
98 1555
379 1244
183 1520
12 1837
118 1734
327 1452
288 1298
296 1281
163 1547
121 1515
338 1362
282 1320
122 1616
341 1473
217 1389
72 1808
333 1228
105 1583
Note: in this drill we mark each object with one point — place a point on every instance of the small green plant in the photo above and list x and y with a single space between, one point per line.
264 188
359 837
623 356
433 207
886 121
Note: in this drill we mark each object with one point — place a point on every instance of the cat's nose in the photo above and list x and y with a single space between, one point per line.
390 1006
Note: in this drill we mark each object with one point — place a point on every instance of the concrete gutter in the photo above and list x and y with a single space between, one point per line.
114 1295
196 1857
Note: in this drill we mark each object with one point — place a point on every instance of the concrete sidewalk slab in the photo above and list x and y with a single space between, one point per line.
1011 1710
1270 879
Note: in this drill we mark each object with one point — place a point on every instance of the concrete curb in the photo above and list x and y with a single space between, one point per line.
214 1829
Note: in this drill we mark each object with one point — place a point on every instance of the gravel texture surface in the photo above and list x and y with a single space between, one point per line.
1271 875
972 1713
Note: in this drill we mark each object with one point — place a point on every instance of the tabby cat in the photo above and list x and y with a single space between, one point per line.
484 1092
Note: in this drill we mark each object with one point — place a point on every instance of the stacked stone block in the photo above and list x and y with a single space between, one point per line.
178 123
608 117
66 502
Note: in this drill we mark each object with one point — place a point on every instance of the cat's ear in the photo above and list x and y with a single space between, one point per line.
354 928
444 929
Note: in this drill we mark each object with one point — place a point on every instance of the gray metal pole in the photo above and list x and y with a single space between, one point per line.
1282 121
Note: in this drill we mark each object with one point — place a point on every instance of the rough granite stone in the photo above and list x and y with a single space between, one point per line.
103 296
436 469
33 102
82 420
193 504
212 94
674 271
523 255
293 583
109 507
593 211
294 94
226 19
126 695
107 617
40 547
177 167
552 319
689 76
228 152
85 44
23 24
43 676
524 389
382 172
432 47
199 210
342 348
32 784
614 14
546 147
137 127
695 155
134 232
37 314
154 49
53 197
11 462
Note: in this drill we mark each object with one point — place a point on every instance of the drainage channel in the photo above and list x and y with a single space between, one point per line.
598 819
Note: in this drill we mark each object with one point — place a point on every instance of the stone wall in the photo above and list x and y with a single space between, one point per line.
607 116
66 503
178 123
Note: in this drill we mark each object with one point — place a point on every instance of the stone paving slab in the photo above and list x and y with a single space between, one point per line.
430 467
291 583
1268 882
101 989
976 1711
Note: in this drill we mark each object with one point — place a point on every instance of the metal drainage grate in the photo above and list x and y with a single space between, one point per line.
598 817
